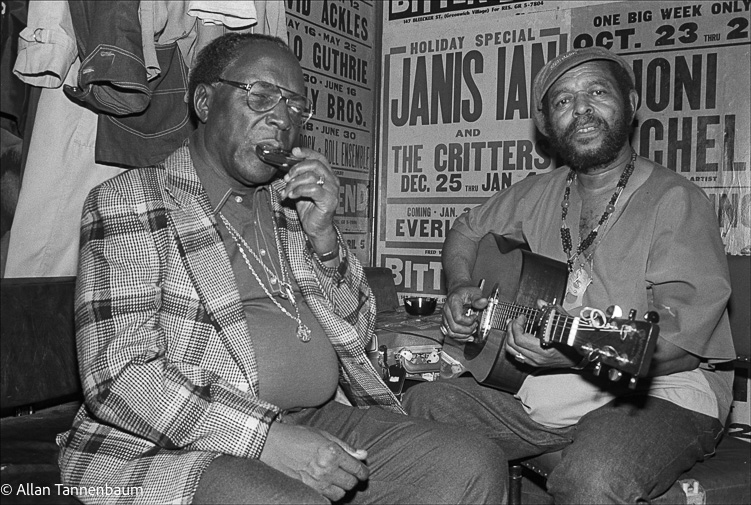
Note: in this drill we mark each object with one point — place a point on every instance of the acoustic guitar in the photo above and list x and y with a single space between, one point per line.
623 345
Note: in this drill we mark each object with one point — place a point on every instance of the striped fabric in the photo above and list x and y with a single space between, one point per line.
166 360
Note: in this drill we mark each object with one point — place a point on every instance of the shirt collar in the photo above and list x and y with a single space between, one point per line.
219 188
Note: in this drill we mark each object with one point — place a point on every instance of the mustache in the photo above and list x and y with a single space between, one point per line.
588 119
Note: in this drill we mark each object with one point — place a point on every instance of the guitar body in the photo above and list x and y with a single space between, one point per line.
523 277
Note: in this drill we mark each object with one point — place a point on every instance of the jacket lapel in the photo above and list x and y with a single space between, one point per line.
205 259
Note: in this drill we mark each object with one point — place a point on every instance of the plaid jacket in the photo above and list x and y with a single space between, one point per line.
168 372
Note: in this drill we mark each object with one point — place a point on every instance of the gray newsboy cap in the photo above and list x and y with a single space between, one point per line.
561 64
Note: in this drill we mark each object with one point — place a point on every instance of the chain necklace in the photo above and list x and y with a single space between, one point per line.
271 276
303 332
609 209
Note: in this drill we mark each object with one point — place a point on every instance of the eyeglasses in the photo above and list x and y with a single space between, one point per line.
264 96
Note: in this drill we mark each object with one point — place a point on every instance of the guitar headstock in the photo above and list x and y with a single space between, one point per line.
624 345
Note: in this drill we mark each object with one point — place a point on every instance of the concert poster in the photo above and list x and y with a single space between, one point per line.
334 41
455 124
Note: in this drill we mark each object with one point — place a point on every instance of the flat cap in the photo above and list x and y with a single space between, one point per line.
561 64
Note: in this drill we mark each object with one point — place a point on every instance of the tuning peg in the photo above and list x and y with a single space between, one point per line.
652 316
614 311
597 369
614 374
632 383
632 314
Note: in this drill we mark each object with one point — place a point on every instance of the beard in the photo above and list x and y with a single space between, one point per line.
583 159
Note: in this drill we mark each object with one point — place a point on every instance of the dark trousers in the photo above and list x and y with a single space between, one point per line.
411 460
624 452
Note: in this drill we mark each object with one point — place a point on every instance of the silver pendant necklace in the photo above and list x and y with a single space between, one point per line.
303 332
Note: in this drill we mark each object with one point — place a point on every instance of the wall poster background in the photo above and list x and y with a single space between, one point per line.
333 39
455 124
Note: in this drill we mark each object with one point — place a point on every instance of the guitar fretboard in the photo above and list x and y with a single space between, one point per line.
561 328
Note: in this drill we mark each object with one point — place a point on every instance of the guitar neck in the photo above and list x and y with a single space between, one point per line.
560 328
623 344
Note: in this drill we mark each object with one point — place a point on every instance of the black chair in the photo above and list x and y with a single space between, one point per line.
40 389
381 281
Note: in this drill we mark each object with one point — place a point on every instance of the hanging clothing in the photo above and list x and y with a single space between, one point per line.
47 46
185 22
59 170
225 13
14 93
62 166
140 121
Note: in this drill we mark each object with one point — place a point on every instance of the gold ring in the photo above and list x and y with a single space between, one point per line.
321 181
444 330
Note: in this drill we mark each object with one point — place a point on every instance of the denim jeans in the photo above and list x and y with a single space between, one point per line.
410 461
141 121
627 451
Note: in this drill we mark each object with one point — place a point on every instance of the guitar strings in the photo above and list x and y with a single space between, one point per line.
509 310
561 324
561 327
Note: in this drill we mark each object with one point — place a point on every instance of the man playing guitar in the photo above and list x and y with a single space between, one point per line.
629 232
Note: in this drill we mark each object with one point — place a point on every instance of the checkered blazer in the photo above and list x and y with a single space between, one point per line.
167 367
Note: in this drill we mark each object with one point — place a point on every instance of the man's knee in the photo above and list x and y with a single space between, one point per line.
586 481
467 465
433 400
487 467
418 399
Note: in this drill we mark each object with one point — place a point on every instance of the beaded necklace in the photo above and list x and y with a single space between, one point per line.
303 332
609 209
